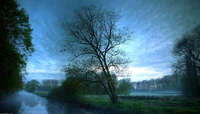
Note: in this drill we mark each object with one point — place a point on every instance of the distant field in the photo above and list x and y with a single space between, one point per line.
157 93
145 104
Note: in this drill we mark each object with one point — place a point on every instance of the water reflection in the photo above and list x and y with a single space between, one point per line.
32 104
28 103
10 104
58 108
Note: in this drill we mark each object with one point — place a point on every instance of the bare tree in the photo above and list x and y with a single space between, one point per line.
95 41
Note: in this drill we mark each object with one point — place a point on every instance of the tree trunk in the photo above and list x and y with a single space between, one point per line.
114 98
113 95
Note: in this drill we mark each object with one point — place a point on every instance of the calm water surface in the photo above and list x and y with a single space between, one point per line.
28 103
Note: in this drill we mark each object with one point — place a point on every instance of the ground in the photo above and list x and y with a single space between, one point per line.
146 104
141 104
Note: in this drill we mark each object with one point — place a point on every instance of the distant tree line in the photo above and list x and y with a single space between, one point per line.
169 82
46 85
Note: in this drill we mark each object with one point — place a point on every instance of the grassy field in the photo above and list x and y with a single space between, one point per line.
144 104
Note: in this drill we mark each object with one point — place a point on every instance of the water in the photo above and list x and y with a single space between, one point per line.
32 104
28 103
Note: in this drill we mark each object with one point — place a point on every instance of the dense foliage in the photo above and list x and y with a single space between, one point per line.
32 85
67 92
187 53
15 45
125 86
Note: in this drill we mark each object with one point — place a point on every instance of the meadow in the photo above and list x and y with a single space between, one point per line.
144 104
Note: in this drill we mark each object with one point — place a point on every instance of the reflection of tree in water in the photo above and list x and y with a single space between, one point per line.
10 104
55 108
43 103
31 101
32 104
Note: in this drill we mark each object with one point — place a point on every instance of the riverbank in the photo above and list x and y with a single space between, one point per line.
139 104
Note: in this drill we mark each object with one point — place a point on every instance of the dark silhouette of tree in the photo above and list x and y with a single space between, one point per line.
31 86
15 45
94 43
187 53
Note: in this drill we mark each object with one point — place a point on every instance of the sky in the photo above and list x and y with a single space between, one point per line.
156 24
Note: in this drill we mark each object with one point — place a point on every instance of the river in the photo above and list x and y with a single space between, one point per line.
28 103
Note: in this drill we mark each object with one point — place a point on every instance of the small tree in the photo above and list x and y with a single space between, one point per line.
125 86
95 41
32 85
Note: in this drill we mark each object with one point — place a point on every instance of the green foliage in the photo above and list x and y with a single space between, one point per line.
187 52
94 89
71 85
31 85
57 93
125 86
68 91
15 45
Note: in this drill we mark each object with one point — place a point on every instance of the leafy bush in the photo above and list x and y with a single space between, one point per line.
31 85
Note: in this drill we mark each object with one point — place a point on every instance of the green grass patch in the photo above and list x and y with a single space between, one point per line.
143 106
42 94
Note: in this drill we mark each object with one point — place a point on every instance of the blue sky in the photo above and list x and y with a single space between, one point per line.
156 25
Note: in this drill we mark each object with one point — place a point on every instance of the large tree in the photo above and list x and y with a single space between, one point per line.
15 45
94 42
187 53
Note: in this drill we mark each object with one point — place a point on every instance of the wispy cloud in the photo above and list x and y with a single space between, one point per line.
156 25
145 73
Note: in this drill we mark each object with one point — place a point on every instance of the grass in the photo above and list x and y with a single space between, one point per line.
42 94
144 105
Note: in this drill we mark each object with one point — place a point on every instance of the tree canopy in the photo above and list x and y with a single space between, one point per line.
125 86
187 52
15 45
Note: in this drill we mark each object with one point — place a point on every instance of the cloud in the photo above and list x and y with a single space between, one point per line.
144 73
156 25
